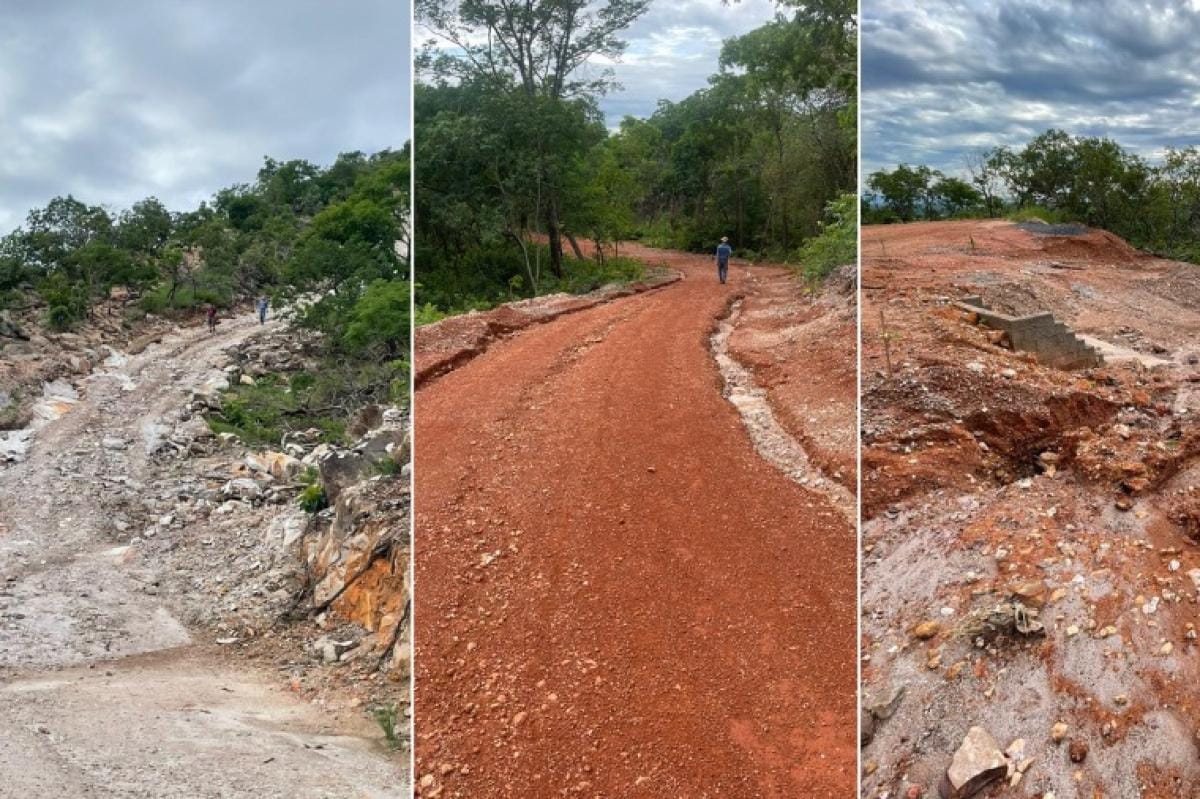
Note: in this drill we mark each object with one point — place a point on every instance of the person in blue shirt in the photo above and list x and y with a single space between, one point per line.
723 253
262 306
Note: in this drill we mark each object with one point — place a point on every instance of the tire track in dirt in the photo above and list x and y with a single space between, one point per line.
615 594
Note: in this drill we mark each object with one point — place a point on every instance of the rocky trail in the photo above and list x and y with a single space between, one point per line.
618 592
1031 573
112 682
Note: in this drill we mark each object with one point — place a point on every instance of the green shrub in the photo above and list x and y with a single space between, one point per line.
388 466
68 302
427 314
489 276
379 319
386 716
12 415
837 244
582 276
59 318
159 300
261 414
312 499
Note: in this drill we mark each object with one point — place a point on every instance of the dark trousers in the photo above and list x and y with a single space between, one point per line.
722 270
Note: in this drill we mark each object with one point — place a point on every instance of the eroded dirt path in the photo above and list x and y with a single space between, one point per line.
616 595
104 692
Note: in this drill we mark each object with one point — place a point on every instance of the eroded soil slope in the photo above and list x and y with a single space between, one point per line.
801 348
615 592
1028 560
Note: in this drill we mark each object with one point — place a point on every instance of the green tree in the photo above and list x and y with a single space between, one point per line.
536 48
906 190
955 196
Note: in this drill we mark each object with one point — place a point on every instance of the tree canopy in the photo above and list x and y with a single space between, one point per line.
513 157
1062 177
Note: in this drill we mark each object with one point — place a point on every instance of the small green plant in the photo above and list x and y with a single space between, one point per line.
516 286
427 314
159 300
386 716
387 466
312 499
261 414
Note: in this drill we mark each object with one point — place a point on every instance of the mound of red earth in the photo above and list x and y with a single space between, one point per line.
616 593
1028 563
447 344
800 347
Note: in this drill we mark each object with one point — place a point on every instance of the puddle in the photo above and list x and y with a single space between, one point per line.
769 437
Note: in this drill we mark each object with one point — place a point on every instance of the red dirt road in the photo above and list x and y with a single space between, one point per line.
615 595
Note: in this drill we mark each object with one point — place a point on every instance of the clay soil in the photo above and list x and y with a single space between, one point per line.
989 477
615 594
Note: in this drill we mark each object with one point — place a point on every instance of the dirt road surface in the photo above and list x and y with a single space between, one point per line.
105 693
616 594
990 478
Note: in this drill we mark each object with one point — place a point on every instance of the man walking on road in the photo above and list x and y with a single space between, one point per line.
262 310
723 253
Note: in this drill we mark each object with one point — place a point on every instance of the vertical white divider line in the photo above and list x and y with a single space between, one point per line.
858 565
412 400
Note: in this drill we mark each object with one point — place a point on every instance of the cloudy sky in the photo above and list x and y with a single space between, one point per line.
941 78
118 100
674 48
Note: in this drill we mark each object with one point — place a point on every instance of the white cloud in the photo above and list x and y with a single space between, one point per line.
944 77
179 99
673 50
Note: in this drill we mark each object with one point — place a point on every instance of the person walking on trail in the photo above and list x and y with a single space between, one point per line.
723 253
262 305
210 318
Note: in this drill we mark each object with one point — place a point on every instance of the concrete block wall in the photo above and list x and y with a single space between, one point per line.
1051 341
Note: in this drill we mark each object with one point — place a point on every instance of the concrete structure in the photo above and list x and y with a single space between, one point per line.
1051 341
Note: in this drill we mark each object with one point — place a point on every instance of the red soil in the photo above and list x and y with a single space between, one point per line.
802 351
986 474
616 596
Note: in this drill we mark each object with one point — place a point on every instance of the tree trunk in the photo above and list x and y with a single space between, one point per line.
554 234
574 245
533 276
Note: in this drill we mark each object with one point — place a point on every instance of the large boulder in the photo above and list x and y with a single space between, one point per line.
242 488
279 465
359 563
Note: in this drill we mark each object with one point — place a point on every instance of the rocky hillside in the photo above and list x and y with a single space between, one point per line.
319 591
